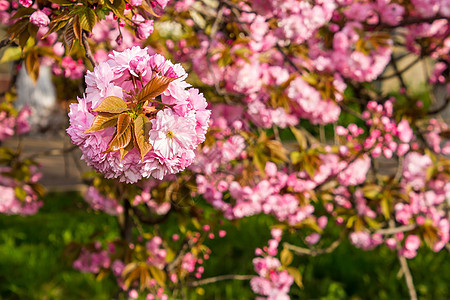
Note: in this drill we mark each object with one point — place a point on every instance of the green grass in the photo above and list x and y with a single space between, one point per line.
32 264
31 252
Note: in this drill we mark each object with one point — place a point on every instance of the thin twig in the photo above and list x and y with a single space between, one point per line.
220 278
394 230
405 269
414 20
187 244
440 108
408 277
287 58
411 64
312 252
5 43
87 49
398 74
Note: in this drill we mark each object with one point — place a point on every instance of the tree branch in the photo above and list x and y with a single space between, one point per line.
440 108
394 230
414 20
408 277
5 43
312 252
187 244
87 49
220 278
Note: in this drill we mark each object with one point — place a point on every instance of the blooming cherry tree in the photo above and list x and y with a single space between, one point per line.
298 125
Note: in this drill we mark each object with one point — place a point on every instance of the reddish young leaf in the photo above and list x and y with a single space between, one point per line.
141 134
77 30
69 36
123 134
113 105
103 121
154 88
120 141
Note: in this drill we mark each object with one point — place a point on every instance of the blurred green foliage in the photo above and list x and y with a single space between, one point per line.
32 265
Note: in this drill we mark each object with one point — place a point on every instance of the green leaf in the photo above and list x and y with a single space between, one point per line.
385 209
117 6
154 88
62 2
69 36
77 30
15 30
286 257
20 193
141 128
22 12
32 65
103 121
296 274
88 19
23 38
11 54
300 137
158 275
55 27
113 105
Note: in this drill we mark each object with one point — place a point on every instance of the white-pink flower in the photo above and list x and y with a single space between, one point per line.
171 134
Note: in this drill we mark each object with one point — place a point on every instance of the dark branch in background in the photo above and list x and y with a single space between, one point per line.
5 43
187 244
126 231
414 20
286 58
147 218
350 111
440 108
402 71
398 74
87 48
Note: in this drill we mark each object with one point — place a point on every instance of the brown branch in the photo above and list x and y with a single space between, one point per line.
5 43
398 74
219 278
408 277
350 111
402 71
187 244
147 219
87 49
440 108
312 252
288 59
394 230
404 267
333 176
414 20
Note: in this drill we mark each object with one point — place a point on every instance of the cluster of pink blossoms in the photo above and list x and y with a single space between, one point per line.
100 202
272 281
177 128
386 135
94 258
18 197
11 124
